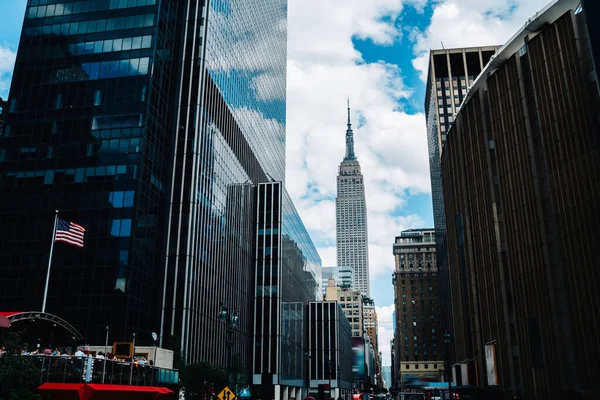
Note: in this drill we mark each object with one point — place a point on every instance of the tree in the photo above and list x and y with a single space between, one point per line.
19 378
199 381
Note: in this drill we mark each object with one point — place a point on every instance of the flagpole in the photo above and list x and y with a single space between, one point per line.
50 262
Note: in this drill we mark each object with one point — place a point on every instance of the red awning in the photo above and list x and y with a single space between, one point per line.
7 314
84 391
4 322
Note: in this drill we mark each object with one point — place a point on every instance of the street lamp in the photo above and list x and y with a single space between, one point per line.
231 322
447 341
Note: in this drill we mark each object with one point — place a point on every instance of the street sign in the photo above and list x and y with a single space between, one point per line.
226 394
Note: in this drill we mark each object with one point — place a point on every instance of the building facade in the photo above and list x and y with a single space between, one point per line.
146 122
520 172
352 242
372 331
451 74
329 350
418 336
343 276
88 132
351 302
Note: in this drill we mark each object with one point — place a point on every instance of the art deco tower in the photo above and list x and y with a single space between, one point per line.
351 217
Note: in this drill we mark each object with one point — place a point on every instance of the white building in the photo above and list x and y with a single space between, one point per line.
351 217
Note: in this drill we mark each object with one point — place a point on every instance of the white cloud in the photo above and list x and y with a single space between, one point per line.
386 331
7 63
465 23
323 70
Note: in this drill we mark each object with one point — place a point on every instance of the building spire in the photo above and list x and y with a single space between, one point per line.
349 139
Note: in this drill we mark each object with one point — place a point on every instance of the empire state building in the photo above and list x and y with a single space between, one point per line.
351 217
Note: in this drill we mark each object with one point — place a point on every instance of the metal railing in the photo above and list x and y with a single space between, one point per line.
72 369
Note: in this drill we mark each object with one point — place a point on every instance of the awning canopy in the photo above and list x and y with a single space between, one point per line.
86 391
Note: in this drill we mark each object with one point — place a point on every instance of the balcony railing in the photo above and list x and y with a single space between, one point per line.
72 369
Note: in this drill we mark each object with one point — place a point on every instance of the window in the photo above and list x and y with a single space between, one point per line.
98 97
58 103
12 105
121 227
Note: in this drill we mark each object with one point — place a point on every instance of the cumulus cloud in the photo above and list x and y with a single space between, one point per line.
7 63
386 331
324 69
465 23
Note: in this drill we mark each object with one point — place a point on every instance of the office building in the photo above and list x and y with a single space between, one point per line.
87 132
351 216
371 329
351 302
451 74
520 173
418 339
343 276
329 350
146 122
370 321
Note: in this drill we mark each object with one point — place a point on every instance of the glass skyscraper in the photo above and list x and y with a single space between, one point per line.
152 124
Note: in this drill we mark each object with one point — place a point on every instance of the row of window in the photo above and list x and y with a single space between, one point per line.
103 70
433 338
110 45
426 366
414 295
99 25
37 10
414 288
414 316
80 174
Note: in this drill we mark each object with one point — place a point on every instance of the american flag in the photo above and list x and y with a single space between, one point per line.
69 232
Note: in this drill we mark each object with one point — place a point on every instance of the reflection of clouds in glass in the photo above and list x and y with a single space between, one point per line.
295 232
247 40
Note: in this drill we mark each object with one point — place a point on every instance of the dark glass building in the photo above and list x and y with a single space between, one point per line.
331 355
521 167
88 133
157 125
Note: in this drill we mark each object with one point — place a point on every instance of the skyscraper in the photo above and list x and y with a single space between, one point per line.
521 168
160 127
351 216
417 329
451 73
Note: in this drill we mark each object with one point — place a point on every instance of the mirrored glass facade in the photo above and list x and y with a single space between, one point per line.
288 270
152 124
89 135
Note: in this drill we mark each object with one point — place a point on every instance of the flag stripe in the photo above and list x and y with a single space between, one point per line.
77 244
69 236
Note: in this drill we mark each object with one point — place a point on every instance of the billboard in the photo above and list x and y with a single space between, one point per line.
490 364
358 359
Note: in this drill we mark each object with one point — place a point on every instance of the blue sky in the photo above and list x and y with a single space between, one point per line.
375 52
